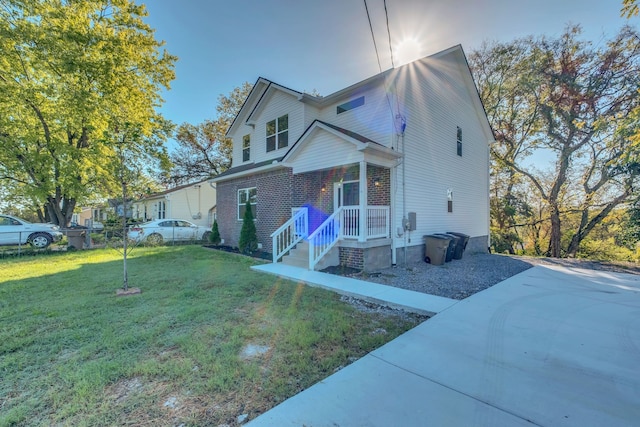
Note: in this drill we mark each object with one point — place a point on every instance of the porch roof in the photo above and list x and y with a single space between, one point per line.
343 147
248 169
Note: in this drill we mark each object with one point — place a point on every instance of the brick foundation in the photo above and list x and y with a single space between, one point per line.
352 257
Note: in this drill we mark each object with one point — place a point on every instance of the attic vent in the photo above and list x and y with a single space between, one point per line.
354 103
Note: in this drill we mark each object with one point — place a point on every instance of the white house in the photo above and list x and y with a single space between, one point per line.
360 176
194 202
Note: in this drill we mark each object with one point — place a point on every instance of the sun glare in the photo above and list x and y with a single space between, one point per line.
407 50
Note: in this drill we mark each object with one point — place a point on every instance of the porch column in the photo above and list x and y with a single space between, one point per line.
362 226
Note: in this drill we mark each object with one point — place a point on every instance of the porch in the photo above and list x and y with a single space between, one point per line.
346 224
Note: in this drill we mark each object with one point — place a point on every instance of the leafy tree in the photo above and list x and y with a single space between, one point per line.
204 150
214 237
571 101
71 74
248 237
503 81
629 8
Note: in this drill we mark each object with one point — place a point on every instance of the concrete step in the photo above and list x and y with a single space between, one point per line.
295 261
299 257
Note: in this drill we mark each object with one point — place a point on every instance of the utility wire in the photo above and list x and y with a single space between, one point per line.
386 14
372 36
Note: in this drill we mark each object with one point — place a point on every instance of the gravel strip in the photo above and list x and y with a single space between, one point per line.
459 279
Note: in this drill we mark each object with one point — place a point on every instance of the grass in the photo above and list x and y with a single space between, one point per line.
72 353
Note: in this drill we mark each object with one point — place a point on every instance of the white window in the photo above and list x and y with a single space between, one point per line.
278 133
245 194
246 148
162 210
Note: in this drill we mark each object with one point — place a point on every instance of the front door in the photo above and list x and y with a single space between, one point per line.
346 195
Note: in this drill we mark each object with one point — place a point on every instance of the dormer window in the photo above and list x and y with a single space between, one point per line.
246 148
354 103
278 133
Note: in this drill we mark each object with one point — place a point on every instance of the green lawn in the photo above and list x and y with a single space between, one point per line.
72 353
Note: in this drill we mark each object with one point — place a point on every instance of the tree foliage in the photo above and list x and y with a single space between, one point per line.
204 150
248 242
629 8
571 101
214 237
71 74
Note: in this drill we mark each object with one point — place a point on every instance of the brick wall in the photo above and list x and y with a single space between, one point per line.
379 195
352 257
273 205
278 191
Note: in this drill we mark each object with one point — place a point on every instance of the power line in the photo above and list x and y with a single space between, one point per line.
372 36
388 33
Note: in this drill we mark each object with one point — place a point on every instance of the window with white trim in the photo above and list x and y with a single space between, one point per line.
162 209
278 133
246 148
459 141
245 194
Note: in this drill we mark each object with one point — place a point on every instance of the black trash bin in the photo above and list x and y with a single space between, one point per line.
452 245
462 243
76 238
435 249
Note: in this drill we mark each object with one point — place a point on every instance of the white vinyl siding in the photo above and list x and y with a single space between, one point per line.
277 105
371 120
432 164
325 150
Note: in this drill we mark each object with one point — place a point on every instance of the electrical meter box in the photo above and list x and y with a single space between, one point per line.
412 221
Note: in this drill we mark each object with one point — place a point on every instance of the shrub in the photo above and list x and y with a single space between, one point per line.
248 238
214 237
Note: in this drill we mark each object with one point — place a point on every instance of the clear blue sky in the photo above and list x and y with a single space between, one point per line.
326 45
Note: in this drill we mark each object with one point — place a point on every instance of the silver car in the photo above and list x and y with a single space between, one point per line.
16 231
162 230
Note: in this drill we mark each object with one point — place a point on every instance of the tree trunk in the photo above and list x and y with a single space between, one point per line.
556 234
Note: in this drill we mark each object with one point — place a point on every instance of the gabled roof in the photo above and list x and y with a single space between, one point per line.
263 87
260 93
360 142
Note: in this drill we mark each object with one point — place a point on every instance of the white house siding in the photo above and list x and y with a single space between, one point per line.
441 102
275 104
322 151
191 203
310 114
372 120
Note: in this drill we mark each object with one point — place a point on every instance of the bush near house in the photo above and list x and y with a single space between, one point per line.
248 237
214 237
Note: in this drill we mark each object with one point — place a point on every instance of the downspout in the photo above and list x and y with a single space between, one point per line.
403 126
404 200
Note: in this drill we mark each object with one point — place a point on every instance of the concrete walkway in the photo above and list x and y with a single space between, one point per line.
551 346
416 302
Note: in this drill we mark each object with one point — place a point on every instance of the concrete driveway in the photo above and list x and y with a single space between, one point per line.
551 346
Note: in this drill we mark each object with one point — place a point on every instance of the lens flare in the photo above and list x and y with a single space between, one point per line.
407 50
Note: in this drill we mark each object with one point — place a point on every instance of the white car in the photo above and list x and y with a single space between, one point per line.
169 230
16 231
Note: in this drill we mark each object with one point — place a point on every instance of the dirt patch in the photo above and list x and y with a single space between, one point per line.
256 254
370 307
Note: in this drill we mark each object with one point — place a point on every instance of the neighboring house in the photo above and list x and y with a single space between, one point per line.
360 176
194 202
88 214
